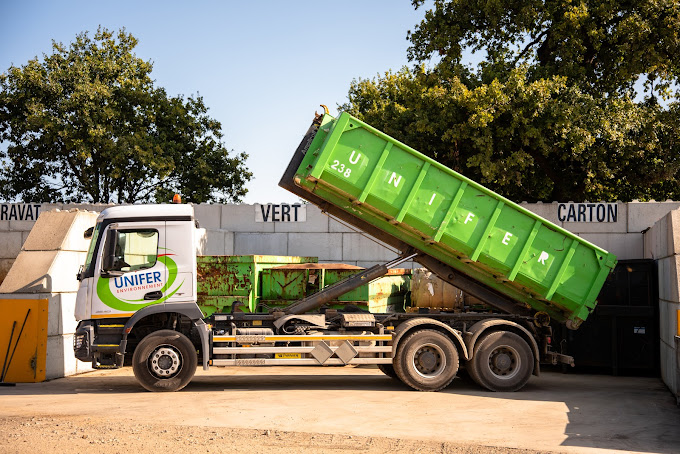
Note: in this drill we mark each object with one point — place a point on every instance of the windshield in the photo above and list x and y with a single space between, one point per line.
93 244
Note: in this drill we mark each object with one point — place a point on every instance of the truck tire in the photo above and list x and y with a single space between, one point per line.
426 360
502 361
388 369
164 361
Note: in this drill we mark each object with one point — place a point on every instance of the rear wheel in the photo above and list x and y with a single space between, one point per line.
164 361
426 360
502 361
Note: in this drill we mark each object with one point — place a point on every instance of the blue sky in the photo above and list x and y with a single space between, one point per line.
263 67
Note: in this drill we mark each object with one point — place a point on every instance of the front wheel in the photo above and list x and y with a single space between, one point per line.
426 360
502 361
164 361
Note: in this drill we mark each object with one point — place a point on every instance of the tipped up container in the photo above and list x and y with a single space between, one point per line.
376 180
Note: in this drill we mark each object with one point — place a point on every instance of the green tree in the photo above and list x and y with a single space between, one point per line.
86 123
551 112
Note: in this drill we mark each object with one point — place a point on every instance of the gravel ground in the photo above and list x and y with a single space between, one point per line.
56 435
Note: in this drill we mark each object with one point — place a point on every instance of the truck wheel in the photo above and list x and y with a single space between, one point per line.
388 370
502 361
164 361
426 360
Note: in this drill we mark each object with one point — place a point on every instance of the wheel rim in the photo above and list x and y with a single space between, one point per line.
165 361
504 362
429 361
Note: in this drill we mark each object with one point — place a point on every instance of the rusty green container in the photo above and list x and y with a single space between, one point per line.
283 285
225 279
440 212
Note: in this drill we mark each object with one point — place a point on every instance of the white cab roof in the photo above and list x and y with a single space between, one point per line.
146 211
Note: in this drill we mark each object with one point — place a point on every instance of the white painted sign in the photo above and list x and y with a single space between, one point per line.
19 211
588 212
280 212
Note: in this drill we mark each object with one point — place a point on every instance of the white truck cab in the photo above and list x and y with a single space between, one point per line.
141 263
139 256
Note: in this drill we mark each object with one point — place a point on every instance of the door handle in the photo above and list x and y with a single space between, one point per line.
153 295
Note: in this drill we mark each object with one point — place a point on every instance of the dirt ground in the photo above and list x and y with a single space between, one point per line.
322 410
78 434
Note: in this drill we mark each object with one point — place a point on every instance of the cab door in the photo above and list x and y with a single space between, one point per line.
130 272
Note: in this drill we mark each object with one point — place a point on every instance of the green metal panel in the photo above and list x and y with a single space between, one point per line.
283 285
223 279
450 217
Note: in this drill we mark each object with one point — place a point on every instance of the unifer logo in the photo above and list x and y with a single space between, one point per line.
112 291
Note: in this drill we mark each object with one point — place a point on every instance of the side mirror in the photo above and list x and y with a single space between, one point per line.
108 263
109 258
88 233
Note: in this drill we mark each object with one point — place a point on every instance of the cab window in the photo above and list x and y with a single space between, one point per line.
135 249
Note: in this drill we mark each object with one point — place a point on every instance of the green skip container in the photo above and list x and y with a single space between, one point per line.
441 213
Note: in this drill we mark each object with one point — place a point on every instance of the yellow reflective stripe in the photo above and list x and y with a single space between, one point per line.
130 314
308 338
111 326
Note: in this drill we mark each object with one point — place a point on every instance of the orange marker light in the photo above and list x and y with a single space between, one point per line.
176 199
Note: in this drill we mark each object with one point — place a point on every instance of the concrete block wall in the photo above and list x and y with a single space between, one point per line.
662 243
16 224
46 268
232 229
320 236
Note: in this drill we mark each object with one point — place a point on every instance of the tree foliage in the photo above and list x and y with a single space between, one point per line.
86 123
573 100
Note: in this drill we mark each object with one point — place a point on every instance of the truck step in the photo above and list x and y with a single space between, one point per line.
108 348
105 366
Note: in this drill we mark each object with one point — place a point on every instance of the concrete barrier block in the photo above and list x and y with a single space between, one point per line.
4 226
10 244
214 242
668 321
545 210
60 310
5 266
261 244
58 360
61 230
669 366
648 240
673 233
642 215
93 207
208 216
325 246
30 273
200 241
664 327
64 269
44 272
218 242
241 218
667 270
335 226
356 246
659 239
663 272
625 246
620 226
316 222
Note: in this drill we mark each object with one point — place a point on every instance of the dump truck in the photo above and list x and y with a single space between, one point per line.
137 297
